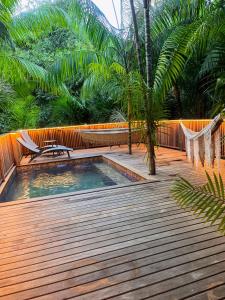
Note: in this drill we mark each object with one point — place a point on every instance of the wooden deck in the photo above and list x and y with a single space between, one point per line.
130 242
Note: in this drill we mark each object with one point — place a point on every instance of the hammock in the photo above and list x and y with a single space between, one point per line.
109 137
205 145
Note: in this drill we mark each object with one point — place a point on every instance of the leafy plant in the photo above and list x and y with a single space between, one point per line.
207 201
7 96
20 118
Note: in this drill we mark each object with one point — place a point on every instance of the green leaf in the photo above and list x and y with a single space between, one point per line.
206 201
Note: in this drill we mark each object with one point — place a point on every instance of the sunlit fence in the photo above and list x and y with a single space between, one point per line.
169 135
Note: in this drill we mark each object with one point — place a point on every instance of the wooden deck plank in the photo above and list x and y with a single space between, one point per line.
67 202
77 258
115 285
90 217
30 244
125 201
129 242
88 227
184 287
217 291
87 245
57 246
178 241
81 235
132 217
128 262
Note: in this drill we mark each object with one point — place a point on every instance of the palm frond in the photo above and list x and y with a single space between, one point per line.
207 201
10 4
172 59
212 60
33 23
118 116
15 69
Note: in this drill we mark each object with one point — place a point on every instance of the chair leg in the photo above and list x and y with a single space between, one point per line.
68 153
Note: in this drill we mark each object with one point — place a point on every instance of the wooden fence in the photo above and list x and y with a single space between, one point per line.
169 135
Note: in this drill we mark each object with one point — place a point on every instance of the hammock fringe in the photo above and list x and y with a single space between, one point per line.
204 146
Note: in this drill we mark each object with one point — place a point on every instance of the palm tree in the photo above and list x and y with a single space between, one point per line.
191 55
14 29
150 121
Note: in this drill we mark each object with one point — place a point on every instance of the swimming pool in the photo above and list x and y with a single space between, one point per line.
65 177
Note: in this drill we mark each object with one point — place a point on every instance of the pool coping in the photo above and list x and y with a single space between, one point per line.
141 178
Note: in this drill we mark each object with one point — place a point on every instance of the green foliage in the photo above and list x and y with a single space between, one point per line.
53 45
7 96
67 112
100 108
20 118
207 201
198 65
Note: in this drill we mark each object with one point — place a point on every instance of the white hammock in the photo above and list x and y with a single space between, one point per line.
205 145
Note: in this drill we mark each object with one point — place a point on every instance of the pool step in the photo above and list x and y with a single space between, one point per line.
113 174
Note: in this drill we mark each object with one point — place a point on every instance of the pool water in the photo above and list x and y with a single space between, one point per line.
64 178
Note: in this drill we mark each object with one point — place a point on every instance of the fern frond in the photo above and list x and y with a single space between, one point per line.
207 201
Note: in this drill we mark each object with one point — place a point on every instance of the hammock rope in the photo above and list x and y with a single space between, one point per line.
204 146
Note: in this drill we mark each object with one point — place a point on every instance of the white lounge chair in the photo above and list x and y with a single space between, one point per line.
35 152
26 137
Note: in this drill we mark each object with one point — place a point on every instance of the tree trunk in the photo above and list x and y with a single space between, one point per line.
149 124
149 75
129 108
129 126
148 44
137 40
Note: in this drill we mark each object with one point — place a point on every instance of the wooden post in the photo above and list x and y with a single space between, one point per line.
2 174
180 138
16 149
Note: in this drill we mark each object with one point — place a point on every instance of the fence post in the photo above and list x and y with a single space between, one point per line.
180 137
16 149
2 174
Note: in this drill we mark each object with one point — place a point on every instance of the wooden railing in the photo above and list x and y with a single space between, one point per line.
169 135
6 155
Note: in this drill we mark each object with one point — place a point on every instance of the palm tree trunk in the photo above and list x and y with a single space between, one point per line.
148 44
137 40
150 130
149 74
129 125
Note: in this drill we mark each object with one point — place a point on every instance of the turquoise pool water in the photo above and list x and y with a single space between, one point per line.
64 178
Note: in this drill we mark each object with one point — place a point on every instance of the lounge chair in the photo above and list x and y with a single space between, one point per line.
35 152
26 137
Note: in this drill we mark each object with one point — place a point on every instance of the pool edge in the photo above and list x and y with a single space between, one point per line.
115 163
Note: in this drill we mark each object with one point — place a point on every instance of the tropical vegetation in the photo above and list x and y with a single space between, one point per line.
64 63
